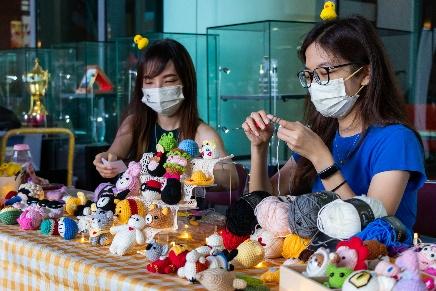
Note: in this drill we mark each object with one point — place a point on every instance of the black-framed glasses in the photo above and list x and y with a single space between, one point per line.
321 75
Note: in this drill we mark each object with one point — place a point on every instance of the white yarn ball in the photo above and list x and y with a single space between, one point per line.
339 219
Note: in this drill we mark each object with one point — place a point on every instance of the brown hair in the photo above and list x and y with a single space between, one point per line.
152 63
355 40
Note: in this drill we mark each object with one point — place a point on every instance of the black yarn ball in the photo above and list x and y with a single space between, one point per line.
240 218
172 192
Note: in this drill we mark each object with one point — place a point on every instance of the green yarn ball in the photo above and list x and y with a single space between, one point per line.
9 215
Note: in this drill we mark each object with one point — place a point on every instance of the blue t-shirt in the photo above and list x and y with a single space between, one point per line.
384 148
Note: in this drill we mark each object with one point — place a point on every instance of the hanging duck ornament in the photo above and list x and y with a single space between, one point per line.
140 41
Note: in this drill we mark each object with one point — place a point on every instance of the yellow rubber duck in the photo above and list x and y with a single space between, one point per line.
329 11
140 41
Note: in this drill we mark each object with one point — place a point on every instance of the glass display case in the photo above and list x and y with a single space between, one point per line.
14 86
87 91
127 55
257 69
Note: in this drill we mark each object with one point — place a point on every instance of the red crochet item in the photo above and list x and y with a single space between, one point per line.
356 243
10 195
161 266
231 241
177 260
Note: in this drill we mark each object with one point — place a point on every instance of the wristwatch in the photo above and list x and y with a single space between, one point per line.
328 172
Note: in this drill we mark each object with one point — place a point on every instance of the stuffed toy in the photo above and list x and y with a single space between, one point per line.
408 262
329 11
154 250
127 235
337 276
32 190
387 269
67 228
169 264
410 282
250 253
364 280
140 41
9 215
199 178
215 243
158 218
208 150
318 263
76 206
155 166
351 254
172 192
109 189
49 226
189 146
105 202
232 241
124 209
427 257
99 231
272 245
375 249
31 218
129 180
220 280
166 143
177 161
222 260
195 263
52 208
151 190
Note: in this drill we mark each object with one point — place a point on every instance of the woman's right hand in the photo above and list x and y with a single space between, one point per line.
105 171
258 128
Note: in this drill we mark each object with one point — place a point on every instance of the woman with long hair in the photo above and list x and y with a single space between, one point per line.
165 100
354 139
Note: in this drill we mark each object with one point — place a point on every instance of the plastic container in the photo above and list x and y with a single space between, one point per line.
21 154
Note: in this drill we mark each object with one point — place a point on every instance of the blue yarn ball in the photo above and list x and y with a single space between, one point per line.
189 146
68 227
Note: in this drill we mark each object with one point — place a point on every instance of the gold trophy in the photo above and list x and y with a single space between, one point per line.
37 81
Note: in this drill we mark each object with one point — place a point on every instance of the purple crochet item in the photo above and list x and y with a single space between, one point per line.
31 218
99 188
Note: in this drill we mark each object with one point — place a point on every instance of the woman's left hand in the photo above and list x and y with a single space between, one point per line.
302 140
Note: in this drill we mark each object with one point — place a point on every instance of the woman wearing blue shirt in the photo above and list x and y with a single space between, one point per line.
356 139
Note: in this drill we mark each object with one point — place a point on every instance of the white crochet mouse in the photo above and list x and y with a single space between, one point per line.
127 235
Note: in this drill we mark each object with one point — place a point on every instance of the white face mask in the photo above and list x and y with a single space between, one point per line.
164 100
331 100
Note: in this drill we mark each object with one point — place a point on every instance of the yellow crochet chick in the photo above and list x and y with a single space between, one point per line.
329 11
271 276
71 202
140 41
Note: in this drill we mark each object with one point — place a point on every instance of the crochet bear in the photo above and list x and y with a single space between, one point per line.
129 180
159 218
99 232
127 235
124 209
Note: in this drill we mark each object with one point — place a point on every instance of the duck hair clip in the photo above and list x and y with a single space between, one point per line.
140 41
329 11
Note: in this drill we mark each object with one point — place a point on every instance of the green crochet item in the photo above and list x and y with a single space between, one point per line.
168 141
9 215
337 276
175 167
253 284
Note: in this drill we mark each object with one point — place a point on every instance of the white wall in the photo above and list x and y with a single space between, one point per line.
194 16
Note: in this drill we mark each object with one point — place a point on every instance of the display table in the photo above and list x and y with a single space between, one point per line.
29 260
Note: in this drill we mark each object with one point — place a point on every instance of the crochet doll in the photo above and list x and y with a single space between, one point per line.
129 180
195 263
99 232
67 228
158 218
208 150
351 254
155 166
127 235
31 217
337 276
177 161
151 190
124 209
318 263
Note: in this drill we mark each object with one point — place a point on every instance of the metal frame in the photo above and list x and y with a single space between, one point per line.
54 130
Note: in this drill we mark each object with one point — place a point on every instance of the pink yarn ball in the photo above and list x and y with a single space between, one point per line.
272 215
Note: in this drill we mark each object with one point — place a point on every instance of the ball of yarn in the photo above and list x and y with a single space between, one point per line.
272 215
303 212
388 231
189 146
294 245
49 226
232 241
340 219
172 192
240 218
9 215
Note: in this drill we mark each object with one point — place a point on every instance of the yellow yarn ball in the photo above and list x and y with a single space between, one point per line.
250 253
294 245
